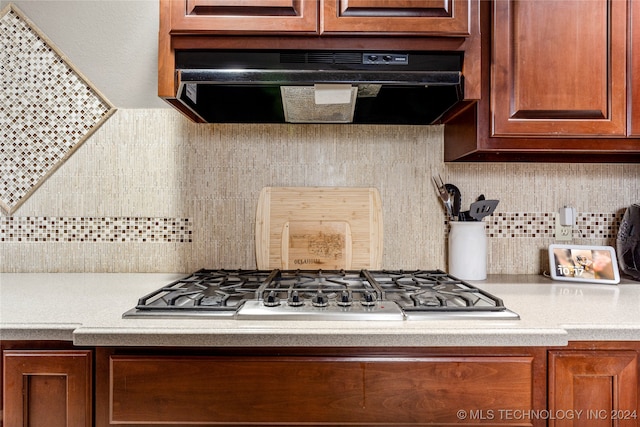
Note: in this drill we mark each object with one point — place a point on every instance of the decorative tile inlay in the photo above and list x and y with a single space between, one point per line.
599 225
126 229
89 229
537 224
510 224
47 109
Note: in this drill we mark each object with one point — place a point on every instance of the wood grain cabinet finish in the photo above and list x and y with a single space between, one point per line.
243 16
48 388
599 385
559 68
208 390
634 74
420 17
559 84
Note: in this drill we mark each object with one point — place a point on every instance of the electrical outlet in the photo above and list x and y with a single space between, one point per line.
564 233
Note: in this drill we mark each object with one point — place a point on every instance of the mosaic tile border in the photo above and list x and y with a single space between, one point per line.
95 229
501 225
543 224
508 224
48 108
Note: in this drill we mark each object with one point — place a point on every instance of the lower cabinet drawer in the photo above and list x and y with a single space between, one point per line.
211 390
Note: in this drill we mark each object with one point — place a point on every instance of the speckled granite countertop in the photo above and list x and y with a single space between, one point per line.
87 309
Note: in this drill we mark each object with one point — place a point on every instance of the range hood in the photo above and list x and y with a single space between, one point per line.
372 87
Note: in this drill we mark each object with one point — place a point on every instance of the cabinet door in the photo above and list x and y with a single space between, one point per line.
243 16
599 386
634 72
47 388
559 68
422 17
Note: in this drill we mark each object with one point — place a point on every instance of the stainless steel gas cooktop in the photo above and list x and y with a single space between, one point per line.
321 295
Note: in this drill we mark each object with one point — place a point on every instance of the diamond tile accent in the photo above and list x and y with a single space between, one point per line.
47 109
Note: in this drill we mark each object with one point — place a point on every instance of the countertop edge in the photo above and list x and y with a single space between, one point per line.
440 338
38 332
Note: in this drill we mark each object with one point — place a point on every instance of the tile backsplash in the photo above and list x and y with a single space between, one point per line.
47 108
151 191
88 229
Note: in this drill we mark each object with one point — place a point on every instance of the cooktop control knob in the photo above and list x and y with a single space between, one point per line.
320 299
272 300
294 300
368 299
345 299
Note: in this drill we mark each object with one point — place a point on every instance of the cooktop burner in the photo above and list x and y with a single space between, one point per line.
205 292
432 290
321 295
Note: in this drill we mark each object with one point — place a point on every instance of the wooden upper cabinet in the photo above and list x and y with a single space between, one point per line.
634 73
244 16
291 17
558 68
421 17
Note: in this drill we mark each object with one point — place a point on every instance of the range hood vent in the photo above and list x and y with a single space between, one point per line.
320 57
370 87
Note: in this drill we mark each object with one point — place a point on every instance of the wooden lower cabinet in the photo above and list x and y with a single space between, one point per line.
593 388
584 384
403 389
48 388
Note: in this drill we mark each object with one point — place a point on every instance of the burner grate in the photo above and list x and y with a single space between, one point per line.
433 290
322 295
206 290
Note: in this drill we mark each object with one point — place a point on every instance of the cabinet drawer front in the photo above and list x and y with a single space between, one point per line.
297 390
421 17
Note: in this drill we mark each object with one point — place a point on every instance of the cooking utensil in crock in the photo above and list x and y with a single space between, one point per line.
444 195
482 208
455 194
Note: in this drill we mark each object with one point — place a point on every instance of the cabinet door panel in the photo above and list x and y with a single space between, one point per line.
634 72
244 16
559 68
44 405
47 388
312 390
598 383
435 17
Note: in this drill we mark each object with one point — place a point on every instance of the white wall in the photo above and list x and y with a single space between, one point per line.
114 43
